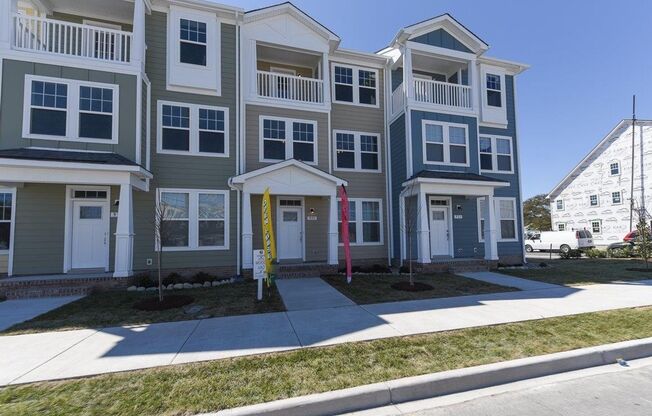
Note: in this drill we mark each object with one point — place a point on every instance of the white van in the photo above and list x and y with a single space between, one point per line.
563 241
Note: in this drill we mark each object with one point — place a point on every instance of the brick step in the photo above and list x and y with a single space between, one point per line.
54 287
295 271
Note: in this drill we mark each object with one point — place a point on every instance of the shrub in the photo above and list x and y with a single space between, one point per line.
572 254
172 279
621 253
201 277
595 253
143 280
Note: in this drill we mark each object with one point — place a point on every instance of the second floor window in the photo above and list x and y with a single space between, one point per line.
192 46
445 143
283 139
496 154
355 85
614 168
560 205
593 200
616 198
70 110
494 91
357 151
192 129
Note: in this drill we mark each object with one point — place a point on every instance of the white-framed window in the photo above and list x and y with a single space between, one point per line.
496 154
356 151
594 201
505 211
596 226
194 219
365 221
445 143
7 206
494 90
561 226
616 198
355 85
614 168
70 110
192 129
286 138
192 42
560 204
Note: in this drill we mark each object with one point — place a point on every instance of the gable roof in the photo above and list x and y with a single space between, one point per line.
443 21
242 178
289 8
616 132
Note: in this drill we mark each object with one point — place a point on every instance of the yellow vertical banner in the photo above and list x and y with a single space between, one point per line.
268 234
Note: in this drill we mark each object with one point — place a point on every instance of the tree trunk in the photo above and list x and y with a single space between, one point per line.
160 281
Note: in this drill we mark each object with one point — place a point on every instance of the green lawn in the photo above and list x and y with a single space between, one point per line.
212 386
582 271
367 289
113 308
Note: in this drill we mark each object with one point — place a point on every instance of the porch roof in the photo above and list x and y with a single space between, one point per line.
455 176
453 183
103 158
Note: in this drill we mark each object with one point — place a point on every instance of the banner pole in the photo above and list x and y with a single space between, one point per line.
260 289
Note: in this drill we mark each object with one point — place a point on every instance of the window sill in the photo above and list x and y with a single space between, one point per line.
505 172
70 139
357 104
358 170
182 153
211 248
362 244
462 165
283 160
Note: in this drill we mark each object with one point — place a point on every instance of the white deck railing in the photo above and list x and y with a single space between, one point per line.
443 93
398 99
43 35
289 87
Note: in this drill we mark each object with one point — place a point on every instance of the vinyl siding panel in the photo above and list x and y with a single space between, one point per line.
4 263
11 106
442 39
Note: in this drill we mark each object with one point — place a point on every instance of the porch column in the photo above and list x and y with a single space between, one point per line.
490 230
247 233
124 234
423 230
138 50
7 10
326 75
332 231
402 230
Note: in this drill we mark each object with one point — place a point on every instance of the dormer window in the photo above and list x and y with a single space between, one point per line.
192 42
494 91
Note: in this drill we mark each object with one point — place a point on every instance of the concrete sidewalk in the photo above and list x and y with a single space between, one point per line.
56 355
20 310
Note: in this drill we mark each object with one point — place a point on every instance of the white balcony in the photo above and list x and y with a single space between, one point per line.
55 37
291 88
443 94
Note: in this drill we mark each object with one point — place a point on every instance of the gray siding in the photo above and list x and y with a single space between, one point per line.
443 39
252 132
11 110
180 171
4 263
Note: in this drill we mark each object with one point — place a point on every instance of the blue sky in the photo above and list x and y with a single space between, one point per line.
587 59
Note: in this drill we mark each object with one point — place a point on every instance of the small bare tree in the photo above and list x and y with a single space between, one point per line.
410 224
644 240
160 233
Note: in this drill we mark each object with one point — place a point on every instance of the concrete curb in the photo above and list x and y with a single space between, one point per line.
446 382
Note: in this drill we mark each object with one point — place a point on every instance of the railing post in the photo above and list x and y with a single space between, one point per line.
138 36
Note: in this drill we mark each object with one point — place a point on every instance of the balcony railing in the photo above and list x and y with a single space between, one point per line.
289 87
49 36
443 93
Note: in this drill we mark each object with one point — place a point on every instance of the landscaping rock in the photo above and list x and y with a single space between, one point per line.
178 285
197 285
132 289
207 284
170 286
151 289
141 289
187 286
215 283
193 309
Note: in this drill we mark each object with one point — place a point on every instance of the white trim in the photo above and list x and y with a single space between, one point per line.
284 71
72 109
193 129
193 218
451 236
68 222
446 142
359 223
289 139
105 25
241 179
12 230
500 238
494 153
357 151
303 220
356 85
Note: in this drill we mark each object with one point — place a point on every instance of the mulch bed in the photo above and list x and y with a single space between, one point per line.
416 287
169 302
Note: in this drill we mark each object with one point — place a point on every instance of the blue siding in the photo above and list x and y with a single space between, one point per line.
399 174
417 141
443 39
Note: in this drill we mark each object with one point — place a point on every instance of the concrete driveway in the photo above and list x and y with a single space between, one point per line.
16 311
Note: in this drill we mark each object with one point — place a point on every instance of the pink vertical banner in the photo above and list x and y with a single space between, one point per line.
345 232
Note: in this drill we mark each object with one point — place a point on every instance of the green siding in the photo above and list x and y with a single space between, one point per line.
11 106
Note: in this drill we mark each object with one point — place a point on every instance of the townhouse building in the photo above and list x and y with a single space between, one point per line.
596 194
114 111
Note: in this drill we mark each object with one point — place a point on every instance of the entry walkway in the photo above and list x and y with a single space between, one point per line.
15 311
504 280
310 293
56 355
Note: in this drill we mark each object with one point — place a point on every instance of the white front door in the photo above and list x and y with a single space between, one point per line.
89 235
439 232
290 233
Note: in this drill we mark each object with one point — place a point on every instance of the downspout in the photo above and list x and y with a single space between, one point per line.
148 127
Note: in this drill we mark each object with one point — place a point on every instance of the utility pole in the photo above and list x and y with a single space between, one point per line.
631 192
